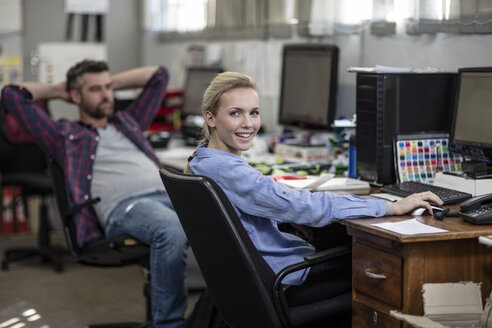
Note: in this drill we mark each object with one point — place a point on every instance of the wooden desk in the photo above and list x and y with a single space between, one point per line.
389 269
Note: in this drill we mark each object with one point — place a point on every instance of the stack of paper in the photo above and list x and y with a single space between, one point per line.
453 304
348 185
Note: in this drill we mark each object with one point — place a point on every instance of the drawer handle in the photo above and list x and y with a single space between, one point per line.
374 275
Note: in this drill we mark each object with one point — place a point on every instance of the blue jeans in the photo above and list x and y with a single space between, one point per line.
151 219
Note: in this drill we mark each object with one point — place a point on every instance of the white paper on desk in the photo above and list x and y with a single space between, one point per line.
391 69
311 182
386 196
333 184
409 227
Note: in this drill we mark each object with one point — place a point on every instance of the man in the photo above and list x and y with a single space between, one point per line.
106 155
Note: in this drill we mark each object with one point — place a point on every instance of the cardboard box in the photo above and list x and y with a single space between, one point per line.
451 305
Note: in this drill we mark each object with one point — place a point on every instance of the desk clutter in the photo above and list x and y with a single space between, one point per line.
288 167
328 182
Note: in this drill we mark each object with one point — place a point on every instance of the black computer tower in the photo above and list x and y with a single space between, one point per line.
388 104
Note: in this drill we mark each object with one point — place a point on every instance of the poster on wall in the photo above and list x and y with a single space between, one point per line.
56 58
10 70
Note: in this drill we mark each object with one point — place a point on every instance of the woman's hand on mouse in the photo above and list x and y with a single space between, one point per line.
414 201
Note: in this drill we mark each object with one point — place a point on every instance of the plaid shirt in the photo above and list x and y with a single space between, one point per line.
74 144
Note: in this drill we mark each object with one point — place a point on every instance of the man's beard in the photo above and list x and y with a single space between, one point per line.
100 112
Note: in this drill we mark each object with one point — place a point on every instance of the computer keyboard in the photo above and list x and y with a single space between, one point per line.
406 188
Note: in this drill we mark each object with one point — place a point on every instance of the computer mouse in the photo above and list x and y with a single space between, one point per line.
419 211
423 211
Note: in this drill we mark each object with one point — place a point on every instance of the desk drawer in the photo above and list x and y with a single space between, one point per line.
364 316
377 274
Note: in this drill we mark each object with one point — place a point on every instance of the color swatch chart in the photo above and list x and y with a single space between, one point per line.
420 159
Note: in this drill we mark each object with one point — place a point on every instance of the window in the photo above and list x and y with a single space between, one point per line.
176 15
184 19
451 16
338 16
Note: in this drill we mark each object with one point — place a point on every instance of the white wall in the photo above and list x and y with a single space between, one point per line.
262 60
128 46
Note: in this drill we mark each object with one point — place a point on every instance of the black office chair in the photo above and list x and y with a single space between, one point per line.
25 165
245 290
105 252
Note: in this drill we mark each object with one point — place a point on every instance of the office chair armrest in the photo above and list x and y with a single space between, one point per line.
328 254
77 208
310 261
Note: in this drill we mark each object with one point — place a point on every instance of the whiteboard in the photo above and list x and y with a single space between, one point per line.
54 61
56 58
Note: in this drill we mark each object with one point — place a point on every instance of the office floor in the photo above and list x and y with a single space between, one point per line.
74 298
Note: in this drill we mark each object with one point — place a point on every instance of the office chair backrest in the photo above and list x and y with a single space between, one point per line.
19 157
114 251
69 229
238 278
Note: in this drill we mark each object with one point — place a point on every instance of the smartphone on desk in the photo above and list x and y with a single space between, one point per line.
477 210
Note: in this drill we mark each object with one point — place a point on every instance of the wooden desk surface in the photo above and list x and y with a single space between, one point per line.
457 228
389 269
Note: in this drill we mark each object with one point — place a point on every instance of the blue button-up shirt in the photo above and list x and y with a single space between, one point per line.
73 144
262 203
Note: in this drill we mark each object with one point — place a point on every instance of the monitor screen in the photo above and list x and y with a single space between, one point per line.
471 134
309 86
197 81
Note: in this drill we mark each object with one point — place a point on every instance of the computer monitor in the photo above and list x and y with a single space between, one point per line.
197 81
471 133
309 86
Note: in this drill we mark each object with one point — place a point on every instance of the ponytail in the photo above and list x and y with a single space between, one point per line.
187 168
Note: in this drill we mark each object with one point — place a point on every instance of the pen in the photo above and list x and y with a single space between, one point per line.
289 177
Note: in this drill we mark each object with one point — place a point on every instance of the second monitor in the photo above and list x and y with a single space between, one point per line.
197 81
471 134
309 86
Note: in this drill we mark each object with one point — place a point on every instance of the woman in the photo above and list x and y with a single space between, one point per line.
232 118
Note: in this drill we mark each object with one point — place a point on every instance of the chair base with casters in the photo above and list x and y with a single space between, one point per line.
115 251
120 251
35 184
244 289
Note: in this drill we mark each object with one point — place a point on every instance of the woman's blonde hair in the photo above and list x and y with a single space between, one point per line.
222 83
